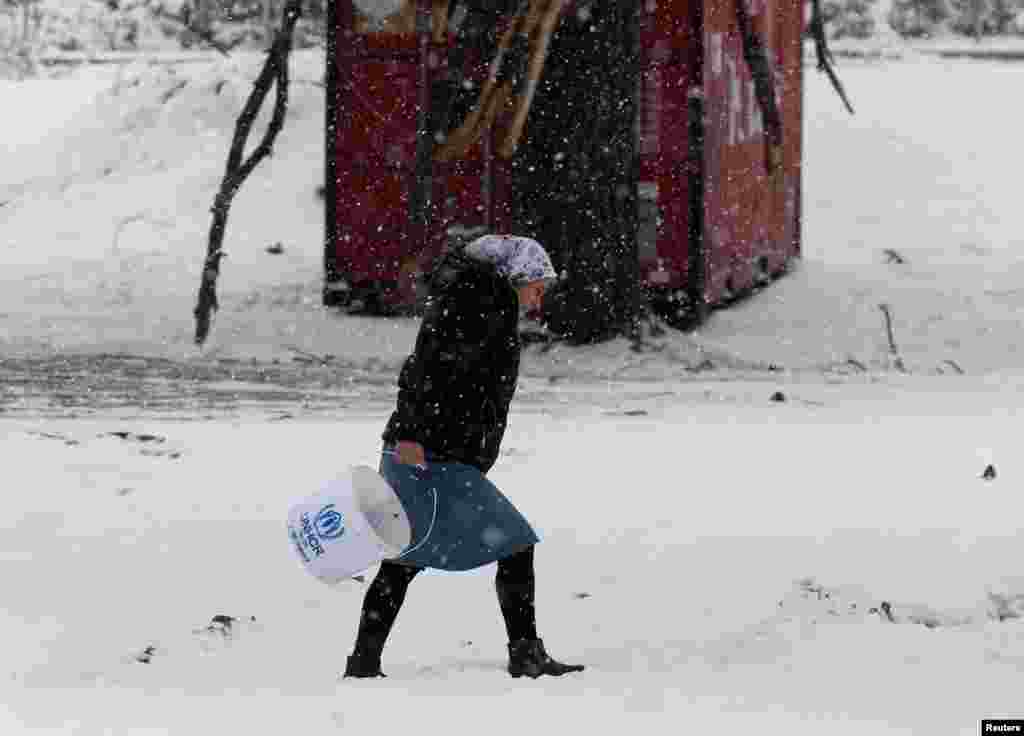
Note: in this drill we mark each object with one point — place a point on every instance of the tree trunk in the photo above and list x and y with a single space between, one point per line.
25 35
576 173
268 19
239 165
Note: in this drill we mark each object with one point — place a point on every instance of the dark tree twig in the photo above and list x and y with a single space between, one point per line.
892 339
825 60
169 94
887 612
307 357
275 71
894 256
954 365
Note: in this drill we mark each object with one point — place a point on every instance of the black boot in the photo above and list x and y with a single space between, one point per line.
363 665
528 657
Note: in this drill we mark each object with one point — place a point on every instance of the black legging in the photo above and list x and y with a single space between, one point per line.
515 585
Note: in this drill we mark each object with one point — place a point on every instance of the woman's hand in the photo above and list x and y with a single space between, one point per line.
410 453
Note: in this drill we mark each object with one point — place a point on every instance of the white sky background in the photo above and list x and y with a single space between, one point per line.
687 526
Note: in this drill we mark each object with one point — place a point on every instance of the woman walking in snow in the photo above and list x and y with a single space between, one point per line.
444 436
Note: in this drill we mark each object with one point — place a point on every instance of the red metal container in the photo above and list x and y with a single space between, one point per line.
752 226
378 84
712 223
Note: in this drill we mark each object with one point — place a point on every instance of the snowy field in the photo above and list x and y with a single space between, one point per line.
762 525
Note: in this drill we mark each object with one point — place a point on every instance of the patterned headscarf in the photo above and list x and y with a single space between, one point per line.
521 260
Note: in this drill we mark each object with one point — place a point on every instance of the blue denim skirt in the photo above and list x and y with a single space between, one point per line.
459 519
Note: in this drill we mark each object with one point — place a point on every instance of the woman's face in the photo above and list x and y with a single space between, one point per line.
531 296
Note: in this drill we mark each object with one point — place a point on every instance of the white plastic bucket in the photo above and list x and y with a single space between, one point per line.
350 525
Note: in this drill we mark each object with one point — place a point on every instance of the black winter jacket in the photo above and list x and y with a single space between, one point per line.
454 390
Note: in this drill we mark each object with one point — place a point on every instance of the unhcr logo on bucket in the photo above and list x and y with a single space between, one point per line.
326 526
309 536
330 524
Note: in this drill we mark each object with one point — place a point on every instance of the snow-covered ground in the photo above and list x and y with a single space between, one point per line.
688 567
829 561
104 228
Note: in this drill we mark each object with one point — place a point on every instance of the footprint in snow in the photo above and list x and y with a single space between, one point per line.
150 441
218 635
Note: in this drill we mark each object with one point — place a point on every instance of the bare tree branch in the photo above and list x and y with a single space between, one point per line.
274 72
954 365
825 60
